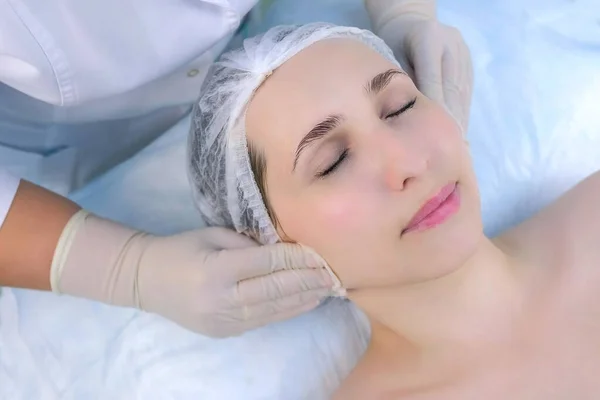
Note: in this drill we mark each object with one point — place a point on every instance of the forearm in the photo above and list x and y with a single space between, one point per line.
29 236
382 11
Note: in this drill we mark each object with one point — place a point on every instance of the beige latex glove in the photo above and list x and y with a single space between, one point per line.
212 281
435 54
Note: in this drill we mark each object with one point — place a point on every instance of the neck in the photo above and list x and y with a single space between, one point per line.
450 315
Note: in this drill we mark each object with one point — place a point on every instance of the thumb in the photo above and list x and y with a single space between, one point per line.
453 100
427 64
458 82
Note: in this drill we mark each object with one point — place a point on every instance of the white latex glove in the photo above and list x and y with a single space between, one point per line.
212 281
434 54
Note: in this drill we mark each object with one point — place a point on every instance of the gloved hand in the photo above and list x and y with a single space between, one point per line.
212 281
435 54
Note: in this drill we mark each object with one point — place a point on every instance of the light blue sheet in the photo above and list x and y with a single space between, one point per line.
534 131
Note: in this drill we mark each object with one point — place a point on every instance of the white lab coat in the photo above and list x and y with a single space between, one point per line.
85 84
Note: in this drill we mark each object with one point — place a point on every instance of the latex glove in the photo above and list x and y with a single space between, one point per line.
434 54
211 281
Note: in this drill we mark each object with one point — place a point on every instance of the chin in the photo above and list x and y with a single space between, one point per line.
446 248
439 265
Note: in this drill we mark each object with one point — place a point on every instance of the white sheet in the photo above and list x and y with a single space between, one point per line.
535 132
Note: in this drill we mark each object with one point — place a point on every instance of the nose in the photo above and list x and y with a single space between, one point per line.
404 161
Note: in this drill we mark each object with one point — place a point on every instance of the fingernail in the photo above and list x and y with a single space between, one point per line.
337 289
339 292
319 261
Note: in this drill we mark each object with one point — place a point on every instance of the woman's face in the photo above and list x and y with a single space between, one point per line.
353 151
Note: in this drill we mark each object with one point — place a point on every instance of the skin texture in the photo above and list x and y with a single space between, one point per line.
29 236
454 315
394 165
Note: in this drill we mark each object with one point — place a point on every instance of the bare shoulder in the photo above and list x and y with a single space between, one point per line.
371 379
567 230
356 385
585 196
386 373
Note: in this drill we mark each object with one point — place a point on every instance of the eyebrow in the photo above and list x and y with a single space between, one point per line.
373 87
319 130
380 81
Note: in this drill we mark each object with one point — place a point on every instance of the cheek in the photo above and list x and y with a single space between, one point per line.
342 211
443 138
444 125
336 226
325 219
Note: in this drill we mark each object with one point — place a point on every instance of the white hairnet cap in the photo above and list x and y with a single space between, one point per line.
223 184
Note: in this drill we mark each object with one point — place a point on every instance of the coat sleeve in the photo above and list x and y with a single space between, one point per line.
68 53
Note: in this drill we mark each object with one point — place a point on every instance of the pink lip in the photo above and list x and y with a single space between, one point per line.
437 210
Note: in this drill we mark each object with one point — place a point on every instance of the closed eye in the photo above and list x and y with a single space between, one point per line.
344 155
333 166
404 108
